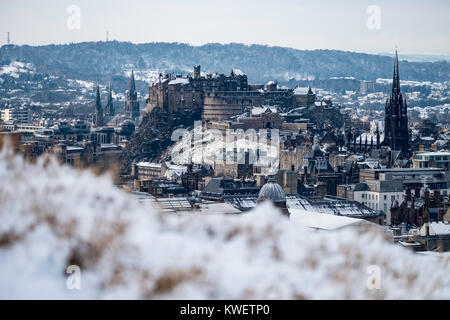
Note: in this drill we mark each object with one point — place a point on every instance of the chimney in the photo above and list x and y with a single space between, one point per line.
437 196
408 193
426 194
417 192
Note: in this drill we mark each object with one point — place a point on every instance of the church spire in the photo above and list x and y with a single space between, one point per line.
396 78
97 98
109 109
132 88
98 109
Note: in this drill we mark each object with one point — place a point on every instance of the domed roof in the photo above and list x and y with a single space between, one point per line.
272 191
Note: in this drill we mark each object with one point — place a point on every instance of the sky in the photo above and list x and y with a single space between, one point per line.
373 26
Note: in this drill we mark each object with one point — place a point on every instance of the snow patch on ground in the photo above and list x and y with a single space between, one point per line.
52 216
15 68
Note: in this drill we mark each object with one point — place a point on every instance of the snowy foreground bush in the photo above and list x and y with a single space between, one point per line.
52 217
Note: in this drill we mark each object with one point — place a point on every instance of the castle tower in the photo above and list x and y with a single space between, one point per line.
396 116
132 104
97 117
109 108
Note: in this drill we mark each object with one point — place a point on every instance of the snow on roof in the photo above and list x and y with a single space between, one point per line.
439 153
256 111
324 221
52 216
301 91
149 164
440 228
182 81
238 72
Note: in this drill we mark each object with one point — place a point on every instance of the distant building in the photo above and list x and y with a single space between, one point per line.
149 171
219 188
166 189
419 208
176 92
396 117
21 115
132 106
432 160
367 87
382 189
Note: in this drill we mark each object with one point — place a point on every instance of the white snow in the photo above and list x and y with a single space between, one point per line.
15 68
53 216
323 221
182 81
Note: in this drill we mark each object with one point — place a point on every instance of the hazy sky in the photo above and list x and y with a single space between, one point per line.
415 26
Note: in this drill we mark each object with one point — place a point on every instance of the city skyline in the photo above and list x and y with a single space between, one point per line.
369 27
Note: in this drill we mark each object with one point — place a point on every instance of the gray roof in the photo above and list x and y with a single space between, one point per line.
272 191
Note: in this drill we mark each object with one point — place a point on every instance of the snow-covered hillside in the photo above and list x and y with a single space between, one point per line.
52 217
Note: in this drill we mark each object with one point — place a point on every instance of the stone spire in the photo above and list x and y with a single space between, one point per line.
132 104
132 87
396 135
109 109
98 109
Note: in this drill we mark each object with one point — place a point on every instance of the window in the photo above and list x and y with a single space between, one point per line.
385 197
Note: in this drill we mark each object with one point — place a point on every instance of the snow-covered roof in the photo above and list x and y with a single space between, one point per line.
440 228
256 111
324 221
149 164
438 153
301 91
182 81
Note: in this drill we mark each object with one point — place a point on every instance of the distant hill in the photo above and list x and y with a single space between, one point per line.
95 61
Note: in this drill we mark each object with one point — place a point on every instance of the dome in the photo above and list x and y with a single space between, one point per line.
272 191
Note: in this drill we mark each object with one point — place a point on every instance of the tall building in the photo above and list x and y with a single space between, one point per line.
132 103
109 108
396 117
17 114
97 118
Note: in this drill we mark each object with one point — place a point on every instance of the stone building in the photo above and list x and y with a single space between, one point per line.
227 104
304 98
177 92
221 96
420 208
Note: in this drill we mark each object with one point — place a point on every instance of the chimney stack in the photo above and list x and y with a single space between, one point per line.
417 192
